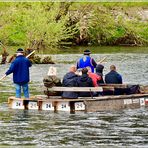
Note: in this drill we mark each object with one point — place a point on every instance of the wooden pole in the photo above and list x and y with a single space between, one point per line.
30 54
102 60
2 45
2 77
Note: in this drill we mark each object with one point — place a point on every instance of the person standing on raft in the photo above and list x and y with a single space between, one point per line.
20 69
86 61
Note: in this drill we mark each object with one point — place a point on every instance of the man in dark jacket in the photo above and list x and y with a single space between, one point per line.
85 81
113 77
70 80
86 61
20 69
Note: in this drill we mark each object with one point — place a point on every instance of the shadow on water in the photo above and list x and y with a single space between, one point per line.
44 128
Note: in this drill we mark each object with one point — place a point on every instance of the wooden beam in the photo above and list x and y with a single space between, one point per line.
77 89
99 98
114 85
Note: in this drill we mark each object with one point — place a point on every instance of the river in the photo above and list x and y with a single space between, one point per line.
127 127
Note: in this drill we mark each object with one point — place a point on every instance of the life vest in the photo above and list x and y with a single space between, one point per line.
86 61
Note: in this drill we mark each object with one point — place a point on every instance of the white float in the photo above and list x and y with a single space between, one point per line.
63 106
142 102
79 106
127 101
47 106
33 105
17 104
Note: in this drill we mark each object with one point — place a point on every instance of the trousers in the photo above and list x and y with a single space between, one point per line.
25 88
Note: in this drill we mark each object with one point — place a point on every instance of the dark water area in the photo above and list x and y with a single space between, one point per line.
97 49
123 128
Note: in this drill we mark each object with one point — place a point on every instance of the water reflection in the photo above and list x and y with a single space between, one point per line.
44 128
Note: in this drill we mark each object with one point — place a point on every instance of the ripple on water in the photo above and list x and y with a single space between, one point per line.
43 128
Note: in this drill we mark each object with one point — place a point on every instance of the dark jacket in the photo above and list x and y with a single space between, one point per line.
85 81
70 80
113 78
99 72
20 69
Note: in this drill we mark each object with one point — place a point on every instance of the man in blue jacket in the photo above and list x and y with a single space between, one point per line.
86 61
20 69
113 77
70 80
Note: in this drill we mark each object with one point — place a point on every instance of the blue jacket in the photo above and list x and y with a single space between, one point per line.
70 80
86 61
113 78
20 69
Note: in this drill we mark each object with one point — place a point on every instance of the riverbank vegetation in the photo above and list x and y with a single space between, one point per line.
52 25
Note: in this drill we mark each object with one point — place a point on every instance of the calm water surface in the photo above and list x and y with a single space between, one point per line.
43 128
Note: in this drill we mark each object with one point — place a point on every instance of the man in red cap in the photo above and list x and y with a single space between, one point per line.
86 61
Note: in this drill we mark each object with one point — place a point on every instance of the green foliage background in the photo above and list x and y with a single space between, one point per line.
61 24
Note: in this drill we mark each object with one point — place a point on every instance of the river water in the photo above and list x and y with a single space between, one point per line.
127 127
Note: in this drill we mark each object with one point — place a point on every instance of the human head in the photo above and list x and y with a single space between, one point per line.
72 68
84 71
87 52
99 68
113 67
19 51
89 69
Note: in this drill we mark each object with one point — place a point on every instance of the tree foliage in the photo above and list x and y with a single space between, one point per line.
36 24
49 25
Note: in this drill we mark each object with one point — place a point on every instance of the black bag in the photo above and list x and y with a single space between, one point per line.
133 89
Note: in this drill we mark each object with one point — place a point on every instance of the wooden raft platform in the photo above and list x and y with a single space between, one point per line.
85 104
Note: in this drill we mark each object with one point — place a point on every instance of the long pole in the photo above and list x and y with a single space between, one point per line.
2 77
102 60
30 54
2 44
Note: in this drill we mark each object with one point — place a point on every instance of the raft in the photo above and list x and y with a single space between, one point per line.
84 104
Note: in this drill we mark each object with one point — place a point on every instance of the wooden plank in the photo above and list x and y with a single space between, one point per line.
31 98
77 89
120 97
104 105
116 104
59 99
114 85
